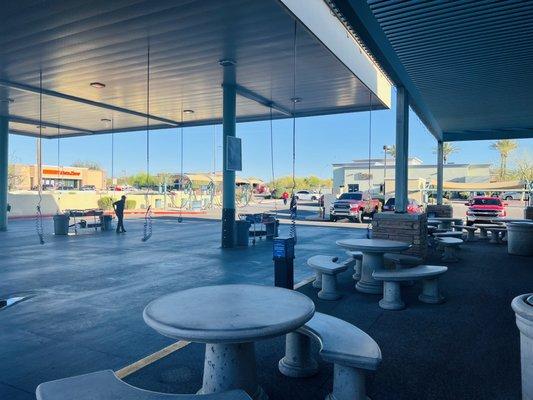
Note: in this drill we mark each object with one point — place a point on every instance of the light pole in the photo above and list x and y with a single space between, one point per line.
385 151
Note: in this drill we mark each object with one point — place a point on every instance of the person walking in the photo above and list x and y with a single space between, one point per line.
285 197
119 206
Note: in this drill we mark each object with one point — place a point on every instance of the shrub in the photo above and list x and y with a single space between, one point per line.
130 204
105 203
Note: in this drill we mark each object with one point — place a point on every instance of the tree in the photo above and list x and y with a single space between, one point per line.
87 164
14 178
505 147
523 170
142 179
447 150
392 151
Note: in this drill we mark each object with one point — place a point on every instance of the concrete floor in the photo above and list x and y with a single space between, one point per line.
89 292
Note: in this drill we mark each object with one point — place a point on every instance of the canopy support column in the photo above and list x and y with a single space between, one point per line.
229 106
4 142
402 150
440 171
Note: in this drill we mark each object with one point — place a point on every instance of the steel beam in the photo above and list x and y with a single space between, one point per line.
248 94
52 93
440 171
402 150
360 18
4 143
34 122
492 134
229 125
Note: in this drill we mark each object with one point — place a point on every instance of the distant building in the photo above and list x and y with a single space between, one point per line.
25 177
362 174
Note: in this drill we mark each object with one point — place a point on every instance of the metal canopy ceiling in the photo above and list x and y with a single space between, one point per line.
78 42
470 61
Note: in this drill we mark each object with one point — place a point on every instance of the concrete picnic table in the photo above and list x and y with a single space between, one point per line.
446 222
229 319
373 250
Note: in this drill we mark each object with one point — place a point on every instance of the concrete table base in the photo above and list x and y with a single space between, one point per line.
392 297
367 284
230 366
430 292
317 283
449 254
357 270
298 361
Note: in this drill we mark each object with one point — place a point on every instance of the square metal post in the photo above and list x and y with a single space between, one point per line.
4 143
440 171
402 150
229 105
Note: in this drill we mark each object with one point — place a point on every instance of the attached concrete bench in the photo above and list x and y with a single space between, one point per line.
454 234
327 268
392 298
484 228
470 232
497 234
358 257
104 385
351 350
450 245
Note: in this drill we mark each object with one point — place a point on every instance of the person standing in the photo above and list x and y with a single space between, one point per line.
119 206
285 197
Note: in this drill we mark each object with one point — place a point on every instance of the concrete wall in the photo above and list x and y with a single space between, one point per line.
24 203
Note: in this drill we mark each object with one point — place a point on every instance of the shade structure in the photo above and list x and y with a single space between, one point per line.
466 64
79 43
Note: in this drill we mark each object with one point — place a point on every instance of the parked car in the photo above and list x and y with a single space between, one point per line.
65 187
306 195
484 209
514 196
412 206
353 207
88 188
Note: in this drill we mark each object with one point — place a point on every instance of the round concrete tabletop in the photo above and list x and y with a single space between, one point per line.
529 300
229 313
373 245
445 219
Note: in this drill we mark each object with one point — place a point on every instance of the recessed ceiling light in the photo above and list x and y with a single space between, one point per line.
105 120
188 111
97 85
8 100
296 99
40 126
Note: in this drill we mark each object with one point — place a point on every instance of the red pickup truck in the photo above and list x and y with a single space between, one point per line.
353 207
484 209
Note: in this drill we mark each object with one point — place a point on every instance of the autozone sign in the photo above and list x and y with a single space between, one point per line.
60 172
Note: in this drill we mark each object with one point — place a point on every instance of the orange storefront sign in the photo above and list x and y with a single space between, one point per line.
63 172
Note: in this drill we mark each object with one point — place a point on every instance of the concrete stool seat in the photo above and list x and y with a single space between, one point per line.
358 257
450 244
402 261
428 274
352 351
328 268
104 385
470 232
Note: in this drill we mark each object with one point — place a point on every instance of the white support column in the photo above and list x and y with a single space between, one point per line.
440 171
402 150
4 143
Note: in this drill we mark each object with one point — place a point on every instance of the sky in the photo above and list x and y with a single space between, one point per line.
320 141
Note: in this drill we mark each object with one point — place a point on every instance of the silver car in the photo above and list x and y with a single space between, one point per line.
513 196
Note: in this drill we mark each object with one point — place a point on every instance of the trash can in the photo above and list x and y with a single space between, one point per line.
105 221
61 222
242 230
520 238
523 308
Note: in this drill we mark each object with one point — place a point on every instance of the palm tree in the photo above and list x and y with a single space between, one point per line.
504 147
392 151
447 150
